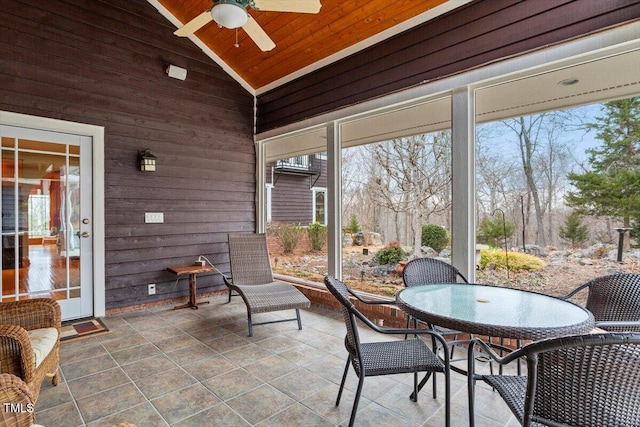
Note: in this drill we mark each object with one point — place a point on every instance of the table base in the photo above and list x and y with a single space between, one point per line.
194 306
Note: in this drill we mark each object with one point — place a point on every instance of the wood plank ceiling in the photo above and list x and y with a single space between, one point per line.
301 39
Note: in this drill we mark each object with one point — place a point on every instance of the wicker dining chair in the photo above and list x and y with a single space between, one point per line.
252 278
584 380
386 357
30 340
424 271
614 301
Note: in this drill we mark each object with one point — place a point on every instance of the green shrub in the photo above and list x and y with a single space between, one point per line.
435 237
517 261
317 235
390 254
289 235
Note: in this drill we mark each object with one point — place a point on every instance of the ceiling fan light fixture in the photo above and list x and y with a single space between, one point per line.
229 14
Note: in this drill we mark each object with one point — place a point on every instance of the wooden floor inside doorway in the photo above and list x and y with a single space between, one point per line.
43 273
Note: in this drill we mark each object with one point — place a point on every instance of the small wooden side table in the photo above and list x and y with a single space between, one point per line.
192 271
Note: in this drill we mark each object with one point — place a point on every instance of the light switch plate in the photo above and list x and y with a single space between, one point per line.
153 217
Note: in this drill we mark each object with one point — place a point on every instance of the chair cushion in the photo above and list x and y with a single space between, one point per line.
42 342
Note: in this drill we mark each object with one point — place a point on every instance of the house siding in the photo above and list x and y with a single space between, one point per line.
103 63
292 195
478 33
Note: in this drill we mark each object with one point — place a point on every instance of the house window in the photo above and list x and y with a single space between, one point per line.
269 190
320 205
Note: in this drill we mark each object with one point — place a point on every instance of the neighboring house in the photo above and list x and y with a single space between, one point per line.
297 190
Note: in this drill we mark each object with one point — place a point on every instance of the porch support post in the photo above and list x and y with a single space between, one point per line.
261 188
463 233
334 202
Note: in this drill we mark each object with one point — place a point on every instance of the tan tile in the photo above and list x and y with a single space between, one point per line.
141 415
209 367
87 367
232 383
165 382
270 367
260 403
97 383
191 353
222 414
294 416
299 383
134 354
147 367
183 403
109 402
64 415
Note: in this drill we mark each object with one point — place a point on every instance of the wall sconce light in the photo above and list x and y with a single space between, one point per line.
147 161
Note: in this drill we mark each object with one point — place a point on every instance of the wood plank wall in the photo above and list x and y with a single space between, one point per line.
478 33
103 63
291 195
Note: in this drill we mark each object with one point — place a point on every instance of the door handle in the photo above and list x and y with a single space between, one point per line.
85 234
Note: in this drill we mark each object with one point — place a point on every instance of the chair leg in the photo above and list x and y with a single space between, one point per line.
229 295
415 387
356 400
298 316
250 324
447 397
471 383
344 378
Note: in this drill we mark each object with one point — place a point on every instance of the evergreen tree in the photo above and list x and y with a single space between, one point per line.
573 230
612 185
493 231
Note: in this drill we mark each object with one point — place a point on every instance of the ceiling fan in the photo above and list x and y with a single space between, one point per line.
233 14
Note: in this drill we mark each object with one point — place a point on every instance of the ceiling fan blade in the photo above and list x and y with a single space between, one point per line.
298 6
257 34
195 24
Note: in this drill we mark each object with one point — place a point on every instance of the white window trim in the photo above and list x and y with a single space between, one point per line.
314 191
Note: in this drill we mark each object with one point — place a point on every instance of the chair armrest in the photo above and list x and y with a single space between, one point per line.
16 355
31 314
398 331
609 324
371 301
227 280
502 360
575 291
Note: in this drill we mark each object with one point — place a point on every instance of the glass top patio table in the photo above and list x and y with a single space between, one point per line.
495 311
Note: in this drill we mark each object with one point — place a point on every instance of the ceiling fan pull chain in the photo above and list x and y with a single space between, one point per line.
236 44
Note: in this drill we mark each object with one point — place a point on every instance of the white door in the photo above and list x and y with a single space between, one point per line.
47 239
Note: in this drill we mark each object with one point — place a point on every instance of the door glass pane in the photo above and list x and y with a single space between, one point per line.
40 217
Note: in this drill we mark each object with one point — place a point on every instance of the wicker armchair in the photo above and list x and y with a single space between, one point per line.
614 301
585 380
23 323
386 357
18 407
252 279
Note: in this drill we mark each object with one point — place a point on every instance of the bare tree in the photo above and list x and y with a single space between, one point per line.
412 175
527 130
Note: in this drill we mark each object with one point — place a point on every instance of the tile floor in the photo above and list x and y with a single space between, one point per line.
164 367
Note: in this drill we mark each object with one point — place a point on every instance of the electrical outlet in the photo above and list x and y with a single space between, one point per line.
152 288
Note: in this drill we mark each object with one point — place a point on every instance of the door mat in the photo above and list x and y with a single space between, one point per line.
82 328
